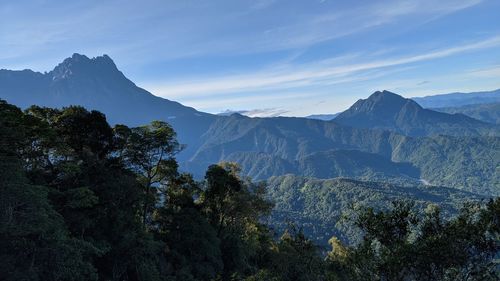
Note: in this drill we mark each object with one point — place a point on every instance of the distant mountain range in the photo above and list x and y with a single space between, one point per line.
484 106
486 112
458 99
383 137
388 111
479 105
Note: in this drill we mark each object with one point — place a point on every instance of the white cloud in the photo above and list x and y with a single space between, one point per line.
263 112
317 73
493 72
160 30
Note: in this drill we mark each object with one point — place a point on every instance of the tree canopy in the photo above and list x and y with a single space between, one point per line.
81 200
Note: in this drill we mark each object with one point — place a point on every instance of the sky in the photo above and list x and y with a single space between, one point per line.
270 57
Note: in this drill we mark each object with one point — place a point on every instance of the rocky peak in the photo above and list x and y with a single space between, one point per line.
83 65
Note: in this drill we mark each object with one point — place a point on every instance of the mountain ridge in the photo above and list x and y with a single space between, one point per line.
273 146
97 83
486 112
458 99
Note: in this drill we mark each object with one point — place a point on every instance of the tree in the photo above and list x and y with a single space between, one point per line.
34 241
297 258
192 248
400 244
98 196
150 152
85 133
234 207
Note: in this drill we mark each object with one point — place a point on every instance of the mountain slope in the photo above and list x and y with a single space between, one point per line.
276 146
458 99
98 84
388 111
355 164
486 112
318 206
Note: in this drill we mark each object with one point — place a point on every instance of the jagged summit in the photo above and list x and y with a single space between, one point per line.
95 83
79 58
81 64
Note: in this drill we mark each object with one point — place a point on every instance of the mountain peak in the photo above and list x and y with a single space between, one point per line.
82 64
389 111
385 93
387 98
77 56
380 109
380 103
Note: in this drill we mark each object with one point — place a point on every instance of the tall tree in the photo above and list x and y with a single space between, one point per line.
192 248
234 207
150 152
400 244
34 242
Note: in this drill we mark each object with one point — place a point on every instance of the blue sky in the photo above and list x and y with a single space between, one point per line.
276 57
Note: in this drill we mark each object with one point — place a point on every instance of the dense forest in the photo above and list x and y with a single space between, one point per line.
81 200
324 207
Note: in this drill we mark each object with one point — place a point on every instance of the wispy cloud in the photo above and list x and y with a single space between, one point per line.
336 23
492 71
263 112
284 54
317 73
160 30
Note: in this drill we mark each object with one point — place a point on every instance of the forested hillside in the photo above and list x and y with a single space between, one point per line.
324 207
276 146
81 200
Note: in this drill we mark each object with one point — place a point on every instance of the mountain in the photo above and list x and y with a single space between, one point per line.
320 206
388 111
96 83
325 164
464 103
458 99
486 112
281 140
324 117
354 164
268 147
395 143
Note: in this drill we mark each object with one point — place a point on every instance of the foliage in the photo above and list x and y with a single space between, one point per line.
324 208
80 200
400 245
